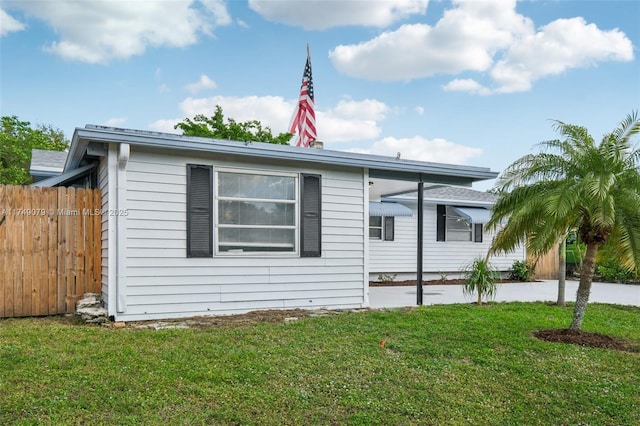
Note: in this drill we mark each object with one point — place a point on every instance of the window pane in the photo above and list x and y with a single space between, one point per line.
375 233
458 229
458 224
375 221
243 185
256 213
256 239
458 236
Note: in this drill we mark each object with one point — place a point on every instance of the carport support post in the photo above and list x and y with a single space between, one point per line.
420 237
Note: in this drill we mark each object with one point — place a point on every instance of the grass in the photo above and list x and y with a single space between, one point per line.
455 364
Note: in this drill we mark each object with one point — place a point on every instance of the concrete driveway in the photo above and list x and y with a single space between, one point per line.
399 296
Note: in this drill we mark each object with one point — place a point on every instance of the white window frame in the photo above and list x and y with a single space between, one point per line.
295 202
381 228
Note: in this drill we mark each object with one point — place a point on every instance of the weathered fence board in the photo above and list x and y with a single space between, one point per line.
547 265
50 252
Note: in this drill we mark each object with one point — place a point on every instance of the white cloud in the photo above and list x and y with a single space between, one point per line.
348 121
422 149
165 126
9 24
466 85
419 110
556 48
97 31
115 121
204 82
321 14
487 37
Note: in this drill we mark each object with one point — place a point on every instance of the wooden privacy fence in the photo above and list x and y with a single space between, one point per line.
49 249
547 265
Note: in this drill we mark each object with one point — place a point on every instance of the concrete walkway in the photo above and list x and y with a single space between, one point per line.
399 296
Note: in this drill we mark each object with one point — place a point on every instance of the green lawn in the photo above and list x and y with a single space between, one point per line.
456 364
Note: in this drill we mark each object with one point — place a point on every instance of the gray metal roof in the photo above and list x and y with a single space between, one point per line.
47 161
447 194
378 166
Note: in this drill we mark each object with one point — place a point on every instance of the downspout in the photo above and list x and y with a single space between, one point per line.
420 241
120 213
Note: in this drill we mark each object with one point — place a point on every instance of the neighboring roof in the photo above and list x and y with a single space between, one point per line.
45 162
378 166
61 180
388 209
447 194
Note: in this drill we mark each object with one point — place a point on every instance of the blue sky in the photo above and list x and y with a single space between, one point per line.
465 82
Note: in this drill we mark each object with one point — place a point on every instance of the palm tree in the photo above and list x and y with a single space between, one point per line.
574 183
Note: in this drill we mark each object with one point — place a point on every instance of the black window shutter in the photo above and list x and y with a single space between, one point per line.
389 225
477 231
441 212
310 216
199 211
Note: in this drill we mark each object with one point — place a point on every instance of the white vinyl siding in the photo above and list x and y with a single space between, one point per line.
399 256
163 283
103 179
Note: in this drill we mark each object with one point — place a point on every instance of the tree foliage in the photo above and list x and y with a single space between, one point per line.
17 139
216 127
574 183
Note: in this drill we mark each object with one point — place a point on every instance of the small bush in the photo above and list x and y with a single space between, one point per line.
614 273
521 271
387 278
481 278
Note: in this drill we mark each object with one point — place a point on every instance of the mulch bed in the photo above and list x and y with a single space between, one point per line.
585 338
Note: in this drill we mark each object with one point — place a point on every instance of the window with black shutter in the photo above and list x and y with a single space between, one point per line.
389 228
199 211
310 215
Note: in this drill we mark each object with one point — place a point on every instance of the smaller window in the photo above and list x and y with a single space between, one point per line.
375 228
382 228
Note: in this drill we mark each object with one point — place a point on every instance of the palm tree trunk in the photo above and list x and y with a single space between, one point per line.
562 271
584 288
479 297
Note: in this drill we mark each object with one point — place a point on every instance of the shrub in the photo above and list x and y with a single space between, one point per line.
615 273
387 278
521 271
481 278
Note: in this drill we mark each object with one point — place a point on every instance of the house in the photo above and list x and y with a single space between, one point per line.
194 226
454 233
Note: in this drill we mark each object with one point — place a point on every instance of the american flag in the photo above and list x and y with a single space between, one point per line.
304 117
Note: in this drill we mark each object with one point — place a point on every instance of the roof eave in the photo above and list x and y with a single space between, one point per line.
378 166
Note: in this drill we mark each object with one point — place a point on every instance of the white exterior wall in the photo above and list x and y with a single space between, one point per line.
161 282
399 256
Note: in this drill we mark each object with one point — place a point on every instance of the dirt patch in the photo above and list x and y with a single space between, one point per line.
429 282
585 338
253 317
